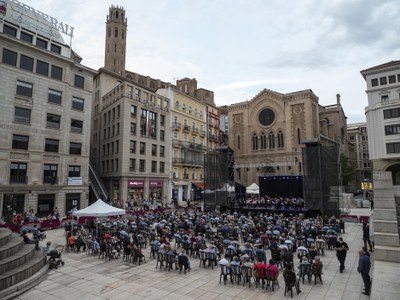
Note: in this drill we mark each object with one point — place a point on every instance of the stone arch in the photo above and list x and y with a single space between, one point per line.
395 170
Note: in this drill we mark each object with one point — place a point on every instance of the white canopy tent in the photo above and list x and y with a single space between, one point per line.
253 189
99 209
227 188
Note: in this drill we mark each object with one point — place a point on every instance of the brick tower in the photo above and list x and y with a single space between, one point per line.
116 28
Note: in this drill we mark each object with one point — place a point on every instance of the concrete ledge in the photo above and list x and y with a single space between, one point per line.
25 285
14 245
23 272
385 214
388 254
386 281
17 259
386 226
5 236
386 239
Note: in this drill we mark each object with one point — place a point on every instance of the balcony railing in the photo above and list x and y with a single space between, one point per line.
185 176
176 142
195 131
202 133
50 180
176 126
186 128
19 179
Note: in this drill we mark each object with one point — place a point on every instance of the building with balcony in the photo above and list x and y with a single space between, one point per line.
358 137
131 137
46 96
267 132
383 127
189 140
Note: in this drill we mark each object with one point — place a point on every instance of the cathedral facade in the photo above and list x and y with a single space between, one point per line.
268 131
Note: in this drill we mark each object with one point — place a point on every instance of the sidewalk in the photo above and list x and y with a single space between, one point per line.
88 277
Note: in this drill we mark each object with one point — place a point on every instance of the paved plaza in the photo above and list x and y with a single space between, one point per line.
88 277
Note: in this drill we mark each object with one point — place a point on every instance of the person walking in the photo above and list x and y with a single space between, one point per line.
341 248
364 266
366 235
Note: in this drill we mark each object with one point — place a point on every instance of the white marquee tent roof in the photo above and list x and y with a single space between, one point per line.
253 189
99 209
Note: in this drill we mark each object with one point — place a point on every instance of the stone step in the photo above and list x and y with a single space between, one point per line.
14 245
5 236
14 276
386 253
384 214
17 258
386 226
386 239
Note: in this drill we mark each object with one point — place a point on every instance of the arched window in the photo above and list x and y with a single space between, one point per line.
109 32
263 141
255 141
298 136
116 14
238 141
271 140
116 32
280 139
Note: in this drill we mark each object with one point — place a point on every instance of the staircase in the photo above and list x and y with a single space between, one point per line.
21 266
386 226
97 185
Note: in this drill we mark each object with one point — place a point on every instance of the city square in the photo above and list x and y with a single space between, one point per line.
199 106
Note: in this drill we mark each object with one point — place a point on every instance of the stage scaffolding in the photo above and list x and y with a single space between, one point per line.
321 180
218 178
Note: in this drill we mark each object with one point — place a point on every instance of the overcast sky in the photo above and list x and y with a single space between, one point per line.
236 48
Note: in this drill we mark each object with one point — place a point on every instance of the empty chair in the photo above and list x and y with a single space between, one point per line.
237 273
247 275
225 272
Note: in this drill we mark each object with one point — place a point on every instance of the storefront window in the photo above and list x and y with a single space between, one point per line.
45 204
72 202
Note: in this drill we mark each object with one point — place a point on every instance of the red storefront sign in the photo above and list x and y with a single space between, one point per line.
136 183
156 183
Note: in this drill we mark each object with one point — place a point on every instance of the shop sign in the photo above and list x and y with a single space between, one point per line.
136 183
74 180
156 183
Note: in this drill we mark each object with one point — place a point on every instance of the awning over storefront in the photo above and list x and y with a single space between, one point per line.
199 184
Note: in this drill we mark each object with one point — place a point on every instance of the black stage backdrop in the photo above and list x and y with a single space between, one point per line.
281 186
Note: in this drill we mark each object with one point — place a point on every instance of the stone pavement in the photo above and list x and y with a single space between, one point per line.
88 277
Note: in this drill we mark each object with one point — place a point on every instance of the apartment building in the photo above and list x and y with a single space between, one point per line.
358 137
189 140
130 139
383 127
46 96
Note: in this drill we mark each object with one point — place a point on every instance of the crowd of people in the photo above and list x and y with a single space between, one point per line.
273 203
264 242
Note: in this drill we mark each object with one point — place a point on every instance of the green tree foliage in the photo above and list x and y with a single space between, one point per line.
347 170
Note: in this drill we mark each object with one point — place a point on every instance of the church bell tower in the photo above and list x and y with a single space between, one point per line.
116 28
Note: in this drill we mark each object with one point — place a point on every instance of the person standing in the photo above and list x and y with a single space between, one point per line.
341 248
364 266
366 235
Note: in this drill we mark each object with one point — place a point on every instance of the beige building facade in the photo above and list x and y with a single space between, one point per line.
189 140
46 100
